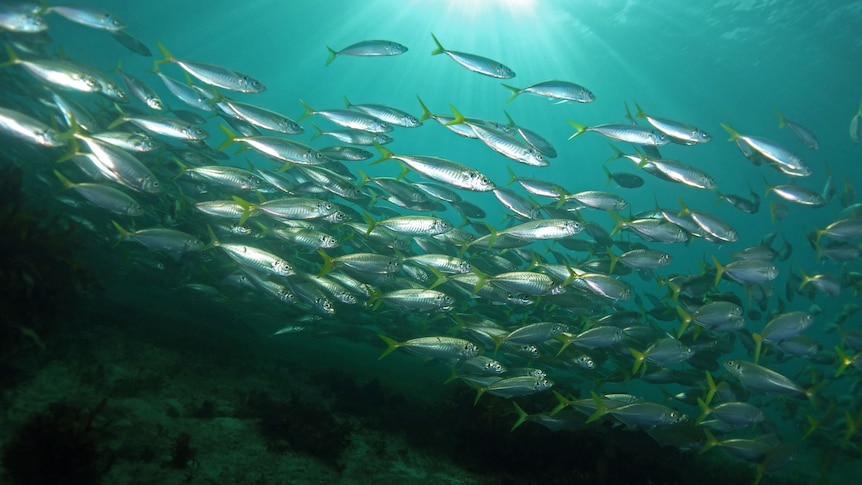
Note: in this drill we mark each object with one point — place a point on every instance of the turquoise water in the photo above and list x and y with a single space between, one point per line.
734 62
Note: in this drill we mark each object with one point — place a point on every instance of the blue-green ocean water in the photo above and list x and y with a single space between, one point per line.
726 62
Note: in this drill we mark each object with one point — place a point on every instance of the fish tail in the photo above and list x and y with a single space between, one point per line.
73 150
482 281
579 128
705 411
711 388
710 442
508 117
308 111
363 178
213 239
63 180
565 339
563 403
440 279
685 321
609 174
843 359
613 257
479 392
459 118
733 134
391 345
629 113
439 49
805 280
404 171
719 270
371 223
813 424
640 112
601 408
231 137
758 346
332 55
166 55
318 134
13 57
619 222
617 153
512 177
453 375
685 210
522 416
515 93
385 154
851 428
781 119
123 232
347 103
328 264
426 113
498 341
639 360
247 208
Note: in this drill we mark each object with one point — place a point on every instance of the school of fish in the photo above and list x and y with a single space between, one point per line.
547 302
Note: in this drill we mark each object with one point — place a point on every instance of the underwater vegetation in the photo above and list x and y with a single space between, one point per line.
298 426
40 270
60 445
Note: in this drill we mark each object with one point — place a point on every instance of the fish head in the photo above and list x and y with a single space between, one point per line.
543 384
249 84
282 267
519 299
585 362
464 267
31 23
327 241
155 103
151 185
286 295
494 367
504 72
194 132
734 367
479 182
410 121
469 350
382 138
441 226
324 305
700 136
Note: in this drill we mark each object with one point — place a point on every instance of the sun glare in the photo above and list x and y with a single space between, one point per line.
474 8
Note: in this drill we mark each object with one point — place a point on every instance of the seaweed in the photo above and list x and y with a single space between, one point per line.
182 453
60 445
298 426
40 272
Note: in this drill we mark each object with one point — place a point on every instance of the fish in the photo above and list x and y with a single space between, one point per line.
87 15
620 132
60 74
442 170
25 127
435 347
104 196
161 239
213 75
785 160
478 64
679 132
558 90
503 144
367 48
356 120
856 125
802 133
